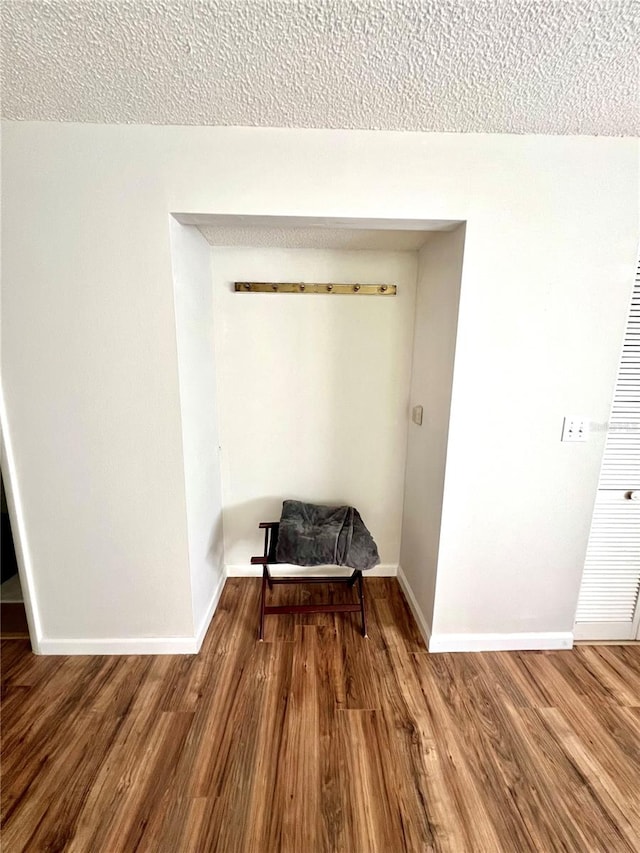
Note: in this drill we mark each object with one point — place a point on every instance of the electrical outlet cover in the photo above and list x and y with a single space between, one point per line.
575 428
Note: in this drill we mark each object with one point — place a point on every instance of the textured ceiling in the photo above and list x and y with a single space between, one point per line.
313 232
314 238
507 66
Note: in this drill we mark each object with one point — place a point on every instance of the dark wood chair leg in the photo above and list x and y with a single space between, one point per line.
362 610
271 530
262 601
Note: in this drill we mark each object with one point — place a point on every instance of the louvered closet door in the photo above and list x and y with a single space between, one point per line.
608 607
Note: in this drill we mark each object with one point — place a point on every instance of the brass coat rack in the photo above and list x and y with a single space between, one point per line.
310 287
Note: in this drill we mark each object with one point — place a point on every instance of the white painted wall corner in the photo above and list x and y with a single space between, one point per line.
137 645
418 615
211 609
517 641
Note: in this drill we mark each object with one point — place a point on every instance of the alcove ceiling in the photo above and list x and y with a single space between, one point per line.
314 238
315 232
493 66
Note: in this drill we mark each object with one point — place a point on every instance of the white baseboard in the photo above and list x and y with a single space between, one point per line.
120 646
518 641
136 645
418 615
211 609
245 570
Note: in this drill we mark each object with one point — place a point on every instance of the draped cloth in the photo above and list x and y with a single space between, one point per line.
314 535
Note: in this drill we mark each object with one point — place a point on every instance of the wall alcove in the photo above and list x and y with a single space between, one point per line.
310 396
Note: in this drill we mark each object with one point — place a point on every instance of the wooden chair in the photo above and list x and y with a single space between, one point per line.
271 529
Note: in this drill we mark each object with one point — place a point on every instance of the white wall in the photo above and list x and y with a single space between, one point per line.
90 380
534 344
436 320
313 391
90 367
198 402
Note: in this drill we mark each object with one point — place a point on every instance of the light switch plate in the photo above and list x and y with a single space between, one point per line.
417 415
575 428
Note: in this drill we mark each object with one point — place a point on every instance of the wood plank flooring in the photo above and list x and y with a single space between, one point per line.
317 740
13 621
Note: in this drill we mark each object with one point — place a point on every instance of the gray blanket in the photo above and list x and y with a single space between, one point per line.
312 535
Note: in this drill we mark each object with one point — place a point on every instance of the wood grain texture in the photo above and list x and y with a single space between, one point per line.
13 621
319 740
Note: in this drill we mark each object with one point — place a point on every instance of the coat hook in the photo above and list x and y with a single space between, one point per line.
315 287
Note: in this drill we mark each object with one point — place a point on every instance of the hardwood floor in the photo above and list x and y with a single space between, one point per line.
318 740
13 621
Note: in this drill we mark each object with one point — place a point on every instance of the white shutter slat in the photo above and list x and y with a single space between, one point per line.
621 461
608 601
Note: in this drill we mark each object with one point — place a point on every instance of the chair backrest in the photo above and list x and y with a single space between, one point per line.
271 530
